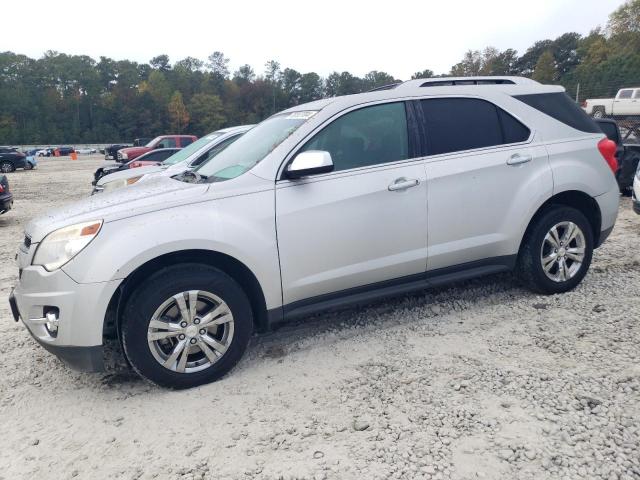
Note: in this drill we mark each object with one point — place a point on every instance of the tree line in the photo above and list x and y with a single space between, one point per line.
62 98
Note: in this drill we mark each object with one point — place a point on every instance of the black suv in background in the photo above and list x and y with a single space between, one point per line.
10 159
628 155
111 152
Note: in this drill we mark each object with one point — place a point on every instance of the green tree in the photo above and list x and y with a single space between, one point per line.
545 70
423 74
625 19
206 112
178 114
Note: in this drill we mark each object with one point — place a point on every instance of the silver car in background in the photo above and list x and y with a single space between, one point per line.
326 204
200 151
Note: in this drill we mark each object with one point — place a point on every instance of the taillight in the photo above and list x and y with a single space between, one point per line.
608 151
583 104
1 188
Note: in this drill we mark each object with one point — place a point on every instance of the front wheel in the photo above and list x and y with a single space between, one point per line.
557 251
7 167
186 325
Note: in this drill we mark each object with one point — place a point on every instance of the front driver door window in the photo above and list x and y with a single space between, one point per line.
353 227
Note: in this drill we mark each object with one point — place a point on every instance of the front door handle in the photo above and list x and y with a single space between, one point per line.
518 159
403 184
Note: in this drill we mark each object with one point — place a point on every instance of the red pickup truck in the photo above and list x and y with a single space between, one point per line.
163 141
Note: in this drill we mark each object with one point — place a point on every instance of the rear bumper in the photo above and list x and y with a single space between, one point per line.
608 204
6 202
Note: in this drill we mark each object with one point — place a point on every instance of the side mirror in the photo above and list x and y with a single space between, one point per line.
308 163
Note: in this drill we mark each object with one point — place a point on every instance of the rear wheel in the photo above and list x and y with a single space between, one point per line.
6 167
28 166
557 251
187 325
598 112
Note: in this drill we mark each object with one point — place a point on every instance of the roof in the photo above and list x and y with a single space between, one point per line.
507 84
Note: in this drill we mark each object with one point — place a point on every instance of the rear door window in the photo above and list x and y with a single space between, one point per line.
561 107
457 124
365 137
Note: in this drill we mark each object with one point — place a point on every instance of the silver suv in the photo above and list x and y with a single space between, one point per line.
326 204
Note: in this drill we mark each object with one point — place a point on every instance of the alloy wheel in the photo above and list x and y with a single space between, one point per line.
563 251
190 331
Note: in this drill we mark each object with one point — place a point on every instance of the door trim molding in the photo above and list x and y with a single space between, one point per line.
389 288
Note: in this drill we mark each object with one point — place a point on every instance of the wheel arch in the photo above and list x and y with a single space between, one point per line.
228 264
577 199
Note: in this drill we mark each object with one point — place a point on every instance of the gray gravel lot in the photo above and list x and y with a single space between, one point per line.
479 380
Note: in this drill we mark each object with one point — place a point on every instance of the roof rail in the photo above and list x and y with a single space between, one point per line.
456 81
388 86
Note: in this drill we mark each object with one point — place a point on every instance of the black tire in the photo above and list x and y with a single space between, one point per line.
28 166
529 267
599 112
7 167
159 287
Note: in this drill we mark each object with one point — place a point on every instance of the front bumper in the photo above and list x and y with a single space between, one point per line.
79 310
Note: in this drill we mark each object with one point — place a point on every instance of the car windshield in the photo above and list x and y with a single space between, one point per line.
187 151
253 146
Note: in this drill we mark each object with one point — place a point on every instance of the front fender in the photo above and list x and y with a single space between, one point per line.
242 227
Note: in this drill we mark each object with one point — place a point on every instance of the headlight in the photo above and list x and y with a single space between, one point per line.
124 156
115 184
63 244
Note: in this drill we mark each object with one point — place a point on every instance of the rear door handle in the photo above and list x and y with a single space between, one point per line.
518 159
403 183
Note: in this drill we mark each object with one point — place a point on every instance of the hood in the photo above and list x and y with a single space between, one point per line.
161 193
135 151
128 173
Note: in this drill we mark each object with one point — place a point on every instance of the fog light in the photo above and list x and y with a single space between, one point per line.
51 323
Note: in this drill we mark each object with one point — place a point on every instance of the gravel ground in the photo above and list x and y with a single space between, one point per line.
479 380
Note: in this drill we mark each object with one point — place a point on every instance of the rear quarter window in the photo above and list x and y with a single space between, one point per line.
562 108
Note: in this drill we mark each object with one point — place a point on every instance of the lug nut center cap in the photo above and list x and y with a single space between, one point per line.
561 252
191 331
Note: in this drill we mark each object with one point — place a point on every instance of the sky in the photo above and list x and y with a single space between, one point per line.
399 37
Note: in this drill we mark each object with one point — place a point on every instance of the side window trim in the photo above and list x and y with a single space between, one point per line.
294 150
424 133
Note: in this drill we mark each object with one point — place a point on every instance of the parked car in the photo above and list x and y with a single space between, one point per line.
338 201
202 150
625 104
86 151
6 197
628 155
44 152
154 157
163 141
11 159
64 151
111 152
